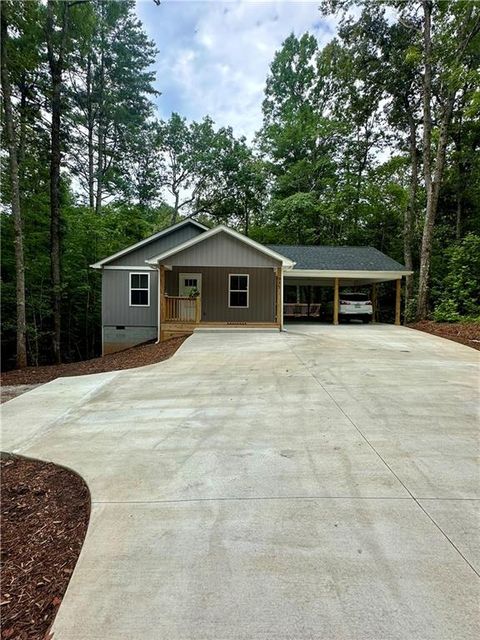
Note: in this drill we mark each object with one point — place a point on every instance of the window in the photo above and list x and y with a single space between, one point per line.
238 290
139 289
191 282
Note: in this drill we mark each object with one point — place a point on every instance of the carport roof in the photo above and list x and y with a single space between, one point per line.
326 258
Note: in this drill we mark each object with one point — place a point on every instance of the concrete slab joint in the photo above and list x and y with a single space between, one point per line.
320 482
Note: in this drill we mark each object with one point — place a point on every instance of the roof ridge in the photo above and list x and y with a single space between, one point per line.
325 246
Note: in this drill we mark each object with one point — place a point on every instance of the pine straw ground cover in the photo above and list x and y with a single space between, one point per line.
45 512
467 333
135 357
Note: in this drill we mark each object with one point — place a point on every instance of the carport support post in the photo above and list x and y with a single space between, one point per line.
398 299
336 297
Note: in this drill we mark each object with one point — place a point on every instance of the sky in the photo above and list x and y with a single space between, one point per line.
214 57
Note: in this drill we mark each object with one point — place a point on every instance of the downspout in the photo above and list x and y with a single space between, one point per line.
103 323
158 307
281 300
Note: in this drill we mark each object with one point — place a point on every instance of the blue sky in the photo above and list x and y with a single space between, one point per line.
214 56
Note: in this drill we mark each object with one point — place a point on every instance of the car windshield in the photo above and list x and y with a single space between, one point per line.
357 297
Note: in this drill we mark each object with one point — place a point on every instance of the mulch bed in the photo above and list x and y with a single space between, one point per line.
45 512
467 333
128 359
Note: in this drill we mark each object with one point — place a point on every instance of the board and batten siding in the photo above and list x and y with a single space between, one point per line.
124 326
215 280
221 250
116 309
156 247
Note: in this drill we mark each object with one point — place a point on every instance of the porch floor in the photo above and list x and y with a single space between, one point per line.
173 329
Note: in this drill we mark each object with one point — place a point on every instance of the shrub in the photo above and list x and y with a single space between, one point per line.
446 311
461 286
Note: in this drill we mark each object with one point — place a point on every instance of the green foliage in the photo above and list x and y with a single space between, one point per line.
461 286
331 164
110 103
446 311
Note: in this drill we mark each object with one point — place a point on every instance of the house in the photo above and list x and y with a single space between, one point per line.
188 275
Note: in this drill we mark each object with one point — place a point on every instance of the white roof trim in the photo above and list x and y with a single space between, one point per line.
345 273
155 236
129 268
286 262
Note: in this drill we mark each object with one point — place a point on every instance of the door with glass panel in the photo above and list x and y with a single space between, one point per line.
190 285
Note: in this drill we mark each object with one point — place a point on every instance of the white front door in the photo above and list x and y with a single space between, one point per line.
188 282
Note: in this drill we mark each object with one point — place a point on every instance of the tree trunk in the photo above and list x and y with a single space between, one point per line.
56 70
90 126
409 219
433 179
458 221
175 207
247 220
16 210
100 161
23 121
361 168
433 193
460 171
101 121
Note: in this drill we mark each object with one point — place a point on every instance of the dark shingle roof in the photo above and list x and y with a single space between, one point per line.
338 258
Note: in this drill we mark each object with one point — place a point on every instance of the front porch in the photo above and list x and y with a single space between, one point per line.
182 314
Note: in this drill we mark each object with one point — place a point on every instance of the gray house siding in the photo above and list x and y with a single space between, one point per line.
215 293
115 302
221 250
154 248
125 326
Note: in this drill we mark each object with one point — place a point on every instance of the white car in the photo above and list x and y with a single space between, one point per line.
355 306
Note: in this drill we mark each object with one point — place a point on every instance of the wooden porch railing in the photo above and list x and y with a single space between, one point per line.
182 309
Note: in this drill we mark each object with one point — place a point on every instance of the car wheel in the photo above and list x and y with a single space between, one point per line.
365 320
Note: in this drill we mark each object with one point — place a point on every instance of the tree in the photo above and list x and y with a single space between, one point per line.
10 138
461 286
300 135
447 47
56 32
234 186
189 157
110 90
426 61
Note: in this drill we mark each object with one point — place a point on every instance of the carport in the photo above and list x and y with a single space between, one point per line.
336 267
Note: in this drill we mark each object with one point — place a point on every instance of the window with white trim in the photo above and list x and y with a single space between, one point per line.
238 290
139 290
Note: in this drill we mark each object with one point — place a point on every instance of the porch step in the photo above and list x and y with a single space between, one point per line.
225 329
174 329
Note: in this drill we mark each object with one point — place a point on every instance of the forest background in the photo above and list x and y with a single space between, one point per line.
372 139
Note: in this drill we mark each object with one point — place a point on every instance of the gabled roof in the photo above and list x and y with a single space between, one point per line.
326 258
155 236
286 262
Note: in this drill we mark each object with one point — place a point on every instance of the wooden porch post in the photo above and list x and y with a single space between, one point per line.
375 302
278 296
198 310
336 299
398 298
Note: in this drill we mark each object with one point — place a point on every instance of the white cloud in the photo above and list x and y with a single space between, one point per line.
214 56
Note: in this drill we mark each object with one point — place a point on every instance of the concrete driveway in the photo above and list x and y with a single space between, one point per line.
320 483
